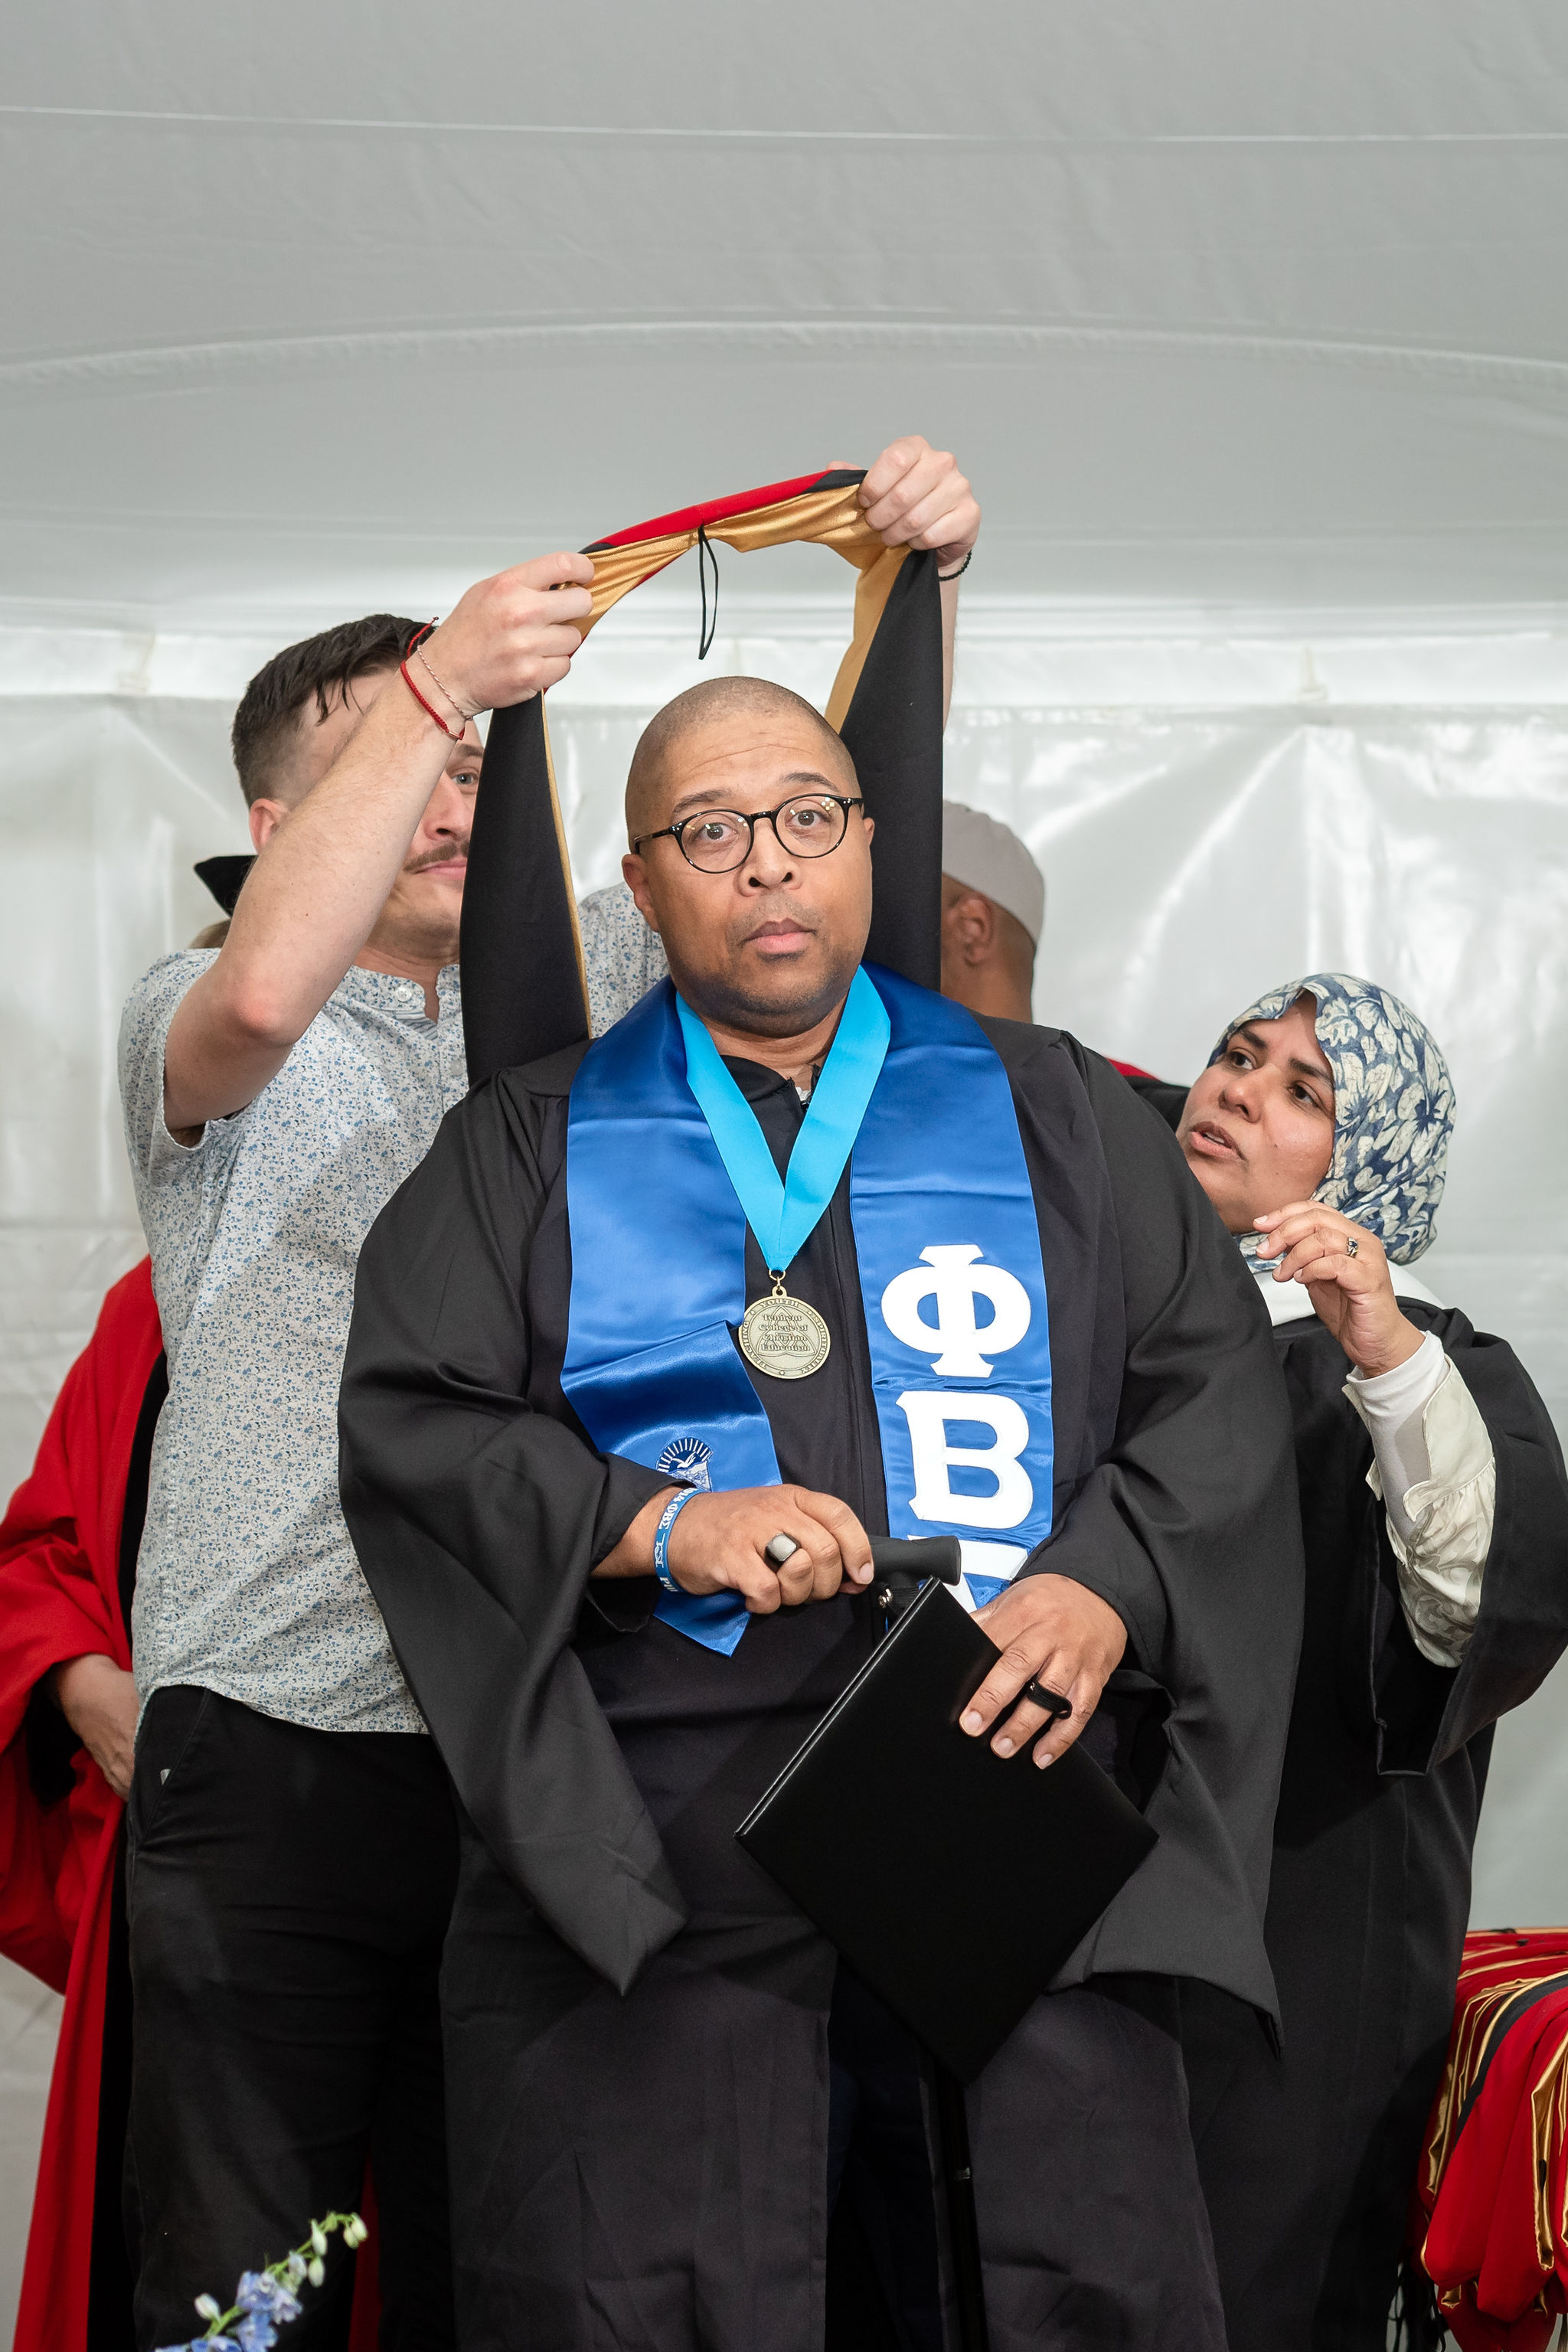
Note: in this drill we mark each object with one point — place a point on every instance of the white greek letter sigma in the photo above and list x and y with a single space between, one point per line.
927 1412
959 1345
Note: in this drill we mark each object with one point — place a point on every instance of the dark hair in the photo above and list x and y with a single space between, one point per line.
321 666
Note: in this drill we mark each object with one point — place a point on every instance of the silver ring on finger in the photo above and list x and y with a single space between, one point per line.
779 1550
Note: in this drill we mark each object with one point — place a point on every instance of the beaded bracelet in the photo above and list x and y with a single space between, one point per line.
668 1518
958 573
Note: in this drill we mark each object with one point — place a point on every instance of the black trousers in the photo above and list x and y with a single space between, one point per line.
651 2174
1092 2223
884 2263
289 1891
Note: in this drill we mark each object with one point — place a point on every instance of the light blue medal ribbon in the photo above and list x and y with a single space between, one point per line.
945 1220
784 1215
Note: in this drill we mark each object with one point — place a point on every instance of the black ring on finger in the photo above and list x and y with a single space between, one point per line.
1058 1707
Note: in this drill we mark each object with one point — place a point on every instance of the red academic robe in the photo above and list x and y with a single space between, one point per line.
59 1599
1489 2215
60 1560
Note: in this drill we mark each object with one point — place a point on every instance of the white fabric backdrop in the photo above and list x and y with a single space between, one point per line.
1213 815
1194 854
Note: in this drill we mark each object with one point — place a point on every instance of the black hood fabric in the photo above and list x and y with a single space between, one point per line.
524 994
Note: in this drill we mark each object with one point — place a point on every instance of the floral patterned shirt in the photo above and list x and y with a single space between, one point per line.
622 958
247 1582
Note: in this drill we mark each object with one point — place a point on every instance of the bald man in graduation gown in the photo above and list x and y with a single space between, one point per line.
660 2077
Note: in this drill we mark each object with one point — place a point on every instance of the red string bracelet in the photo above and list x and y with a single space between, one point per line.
453 735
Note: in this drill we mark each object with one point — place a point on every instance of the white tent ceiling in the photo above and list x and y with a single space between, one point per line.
1223 303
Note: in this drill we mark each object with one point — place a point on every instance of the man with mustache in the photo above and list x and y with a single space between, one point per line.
291 1850
602 1361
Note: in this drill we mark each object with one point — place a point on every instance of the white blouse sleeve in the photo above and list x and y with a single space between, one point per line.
1434 1469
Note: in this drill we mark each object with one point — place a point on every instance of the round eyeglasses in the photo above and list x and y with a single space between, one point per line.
717 840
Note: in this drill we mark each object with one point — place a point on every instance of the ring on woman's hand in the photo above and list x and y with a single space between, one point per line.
779 1550
1352 1246
1058 1707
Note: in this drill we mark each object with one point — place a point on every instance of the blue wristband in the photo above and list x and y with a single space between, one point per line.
668 1518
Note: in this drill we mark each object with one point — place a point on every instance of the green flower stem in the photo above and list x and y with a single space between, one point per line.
304 2262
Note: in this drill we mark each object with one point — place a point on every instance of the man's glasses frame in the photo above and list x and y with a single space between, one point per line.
705 817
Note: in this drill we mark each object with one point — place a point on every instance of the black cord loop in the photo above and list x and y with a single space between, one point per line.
706 556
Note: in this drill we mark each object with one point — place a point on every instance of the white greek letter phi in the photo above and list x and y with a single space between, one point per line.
955 1281
961 1349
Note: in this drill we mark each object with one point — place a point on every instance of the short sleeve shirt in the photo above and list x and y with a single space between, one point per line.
247 1582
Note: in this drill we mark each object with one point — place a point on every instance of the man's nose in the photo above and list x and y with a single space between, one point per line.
447 809
770 865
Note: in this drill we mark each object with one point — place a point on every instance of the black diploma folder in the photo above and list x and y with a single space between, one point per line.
954 1883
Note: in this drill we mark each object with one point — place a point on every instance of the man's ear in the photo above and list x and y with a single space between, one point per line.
971 923
266 816
635 875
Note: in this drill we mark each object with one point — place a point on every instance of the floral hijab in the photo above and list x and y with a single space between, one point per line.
1394 1107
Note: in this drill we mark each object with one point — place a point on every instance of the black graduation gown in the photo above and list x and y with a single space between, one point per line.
1308 2157
650 2169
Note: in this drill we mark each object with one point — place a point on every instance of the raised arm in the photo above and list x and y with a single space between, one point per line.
325 869
916 497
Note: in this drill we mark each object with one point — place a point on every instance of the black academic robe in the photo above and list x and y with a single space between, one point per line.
650 2169
1308 2157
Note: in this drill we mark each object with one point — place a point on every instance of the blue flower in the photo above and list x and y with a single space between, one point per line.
257 2333
257 2292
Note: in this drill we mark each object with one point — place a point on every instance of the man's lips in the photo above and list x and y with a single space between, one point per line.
442 866
779 936
1212 1141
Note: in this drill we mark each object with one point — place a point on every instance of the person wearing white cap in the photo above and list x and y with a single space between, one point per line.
993 912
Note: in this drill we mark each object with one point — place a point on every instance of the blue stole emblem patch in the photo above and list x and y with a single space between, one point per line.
949 1252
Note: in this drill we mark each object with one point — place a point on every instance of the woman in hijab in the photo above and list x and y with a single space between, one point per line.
1435 1511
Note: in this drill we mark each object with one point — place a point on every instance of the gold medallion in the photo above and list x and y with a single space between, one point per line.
784 1336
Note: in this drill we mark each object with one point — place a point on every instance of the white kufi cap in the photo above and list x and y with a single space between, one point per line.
988 856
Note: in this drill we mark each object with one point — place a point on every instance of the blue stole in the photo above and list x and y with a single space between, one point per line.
949 1252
